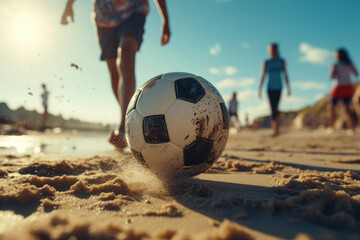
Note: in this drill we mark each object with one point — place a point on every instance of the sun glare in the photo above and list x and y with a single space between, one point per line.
26 29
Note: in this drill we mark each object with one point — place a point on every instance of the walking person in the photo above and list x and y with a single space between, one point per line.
233 110
275 68
343 90
120 24
45 99
247 122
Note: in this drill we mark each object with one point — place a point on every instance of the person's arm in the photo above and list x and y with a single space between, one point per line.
68 12
353 68
262 78
165 37
286 77
332 72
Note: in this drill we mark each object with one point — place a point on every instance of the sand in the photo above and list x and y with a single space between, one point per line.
301 185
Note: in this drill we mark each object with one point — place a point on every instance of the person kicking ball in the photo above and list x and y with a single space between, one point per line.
120 24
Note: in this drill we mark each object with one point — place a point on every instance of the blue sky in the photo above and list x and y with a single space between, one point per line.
225 41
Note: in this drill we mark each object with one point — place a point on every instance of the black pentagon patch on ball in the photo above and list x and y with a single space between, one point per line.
225 115
189 89
138 156
133 101
197 152
155 130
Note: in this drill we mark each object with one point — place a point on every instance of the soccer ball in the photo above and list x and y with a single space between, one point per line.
177 124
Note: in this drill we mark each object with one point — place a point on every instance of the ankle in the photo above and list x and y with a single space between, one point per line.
121 130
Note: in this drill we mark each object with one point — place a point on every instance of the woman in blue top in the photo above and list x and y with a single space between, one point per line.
275 67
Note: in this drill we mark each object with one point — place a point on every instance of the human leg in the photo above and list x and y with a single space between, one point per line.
357 109
114 76
275 126
124 87
349 121
129 46
130 34
274 99
45 117
128 38
332 116
109 43
331 112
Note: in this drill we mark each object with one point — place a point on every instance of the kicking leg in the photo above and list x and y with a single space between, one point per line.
129 46
123 84
114 76
116 137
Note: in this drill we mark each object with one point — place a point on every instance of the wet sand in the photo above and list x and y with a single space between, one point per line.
303 184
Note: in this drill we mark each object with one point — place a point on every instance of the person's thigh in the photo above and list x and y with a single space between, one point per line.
334 101
129 44
347 101
134 27
109 42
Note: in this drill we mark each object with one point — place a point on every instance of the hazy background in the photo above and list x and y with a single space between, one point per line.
223 41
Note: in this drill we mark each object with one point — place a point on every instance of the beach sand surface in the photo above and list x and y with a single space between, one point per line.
303 184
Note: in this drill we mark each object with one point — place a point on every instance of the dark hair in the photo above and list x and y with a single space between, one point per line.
344 56
276 47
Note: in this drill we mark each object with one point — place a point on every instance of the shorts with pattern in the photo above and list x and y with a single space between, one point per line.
110 38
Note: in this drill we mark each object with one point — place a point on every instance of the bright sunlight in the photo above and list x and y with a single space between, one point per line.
26 29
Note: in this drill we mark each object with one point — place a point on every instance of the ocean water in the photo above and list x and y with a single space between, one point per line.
57 143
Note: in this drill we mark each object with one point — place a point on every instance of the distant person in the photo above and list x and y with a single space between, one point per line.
343 90
45 99
247 122
233 107
120 24
275 68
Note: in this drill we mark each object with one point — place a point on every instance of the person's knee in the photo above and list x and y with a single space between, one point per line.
274 116
129 47
347 109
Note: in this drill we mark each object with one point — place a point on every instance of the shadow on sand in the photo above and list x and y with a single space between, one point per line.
223 200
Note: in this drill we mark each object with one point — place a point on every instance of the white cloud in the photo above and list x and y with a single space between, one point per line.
245 45
230 70
310 85
313 54
262 109
319 96
247 95
214 71
292 99
215 50
232 82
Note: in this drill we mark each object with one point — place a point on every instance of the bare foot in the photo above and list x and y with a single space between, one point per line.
350 132
330 131
275 134
118 140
